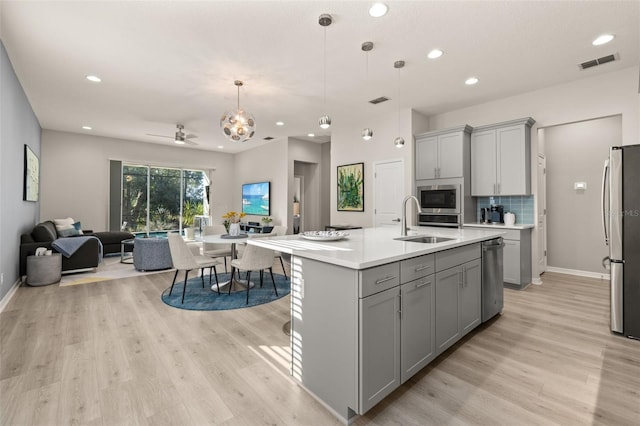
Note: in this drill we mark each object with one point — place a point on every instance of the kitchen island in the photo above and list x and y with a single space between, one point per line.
369 311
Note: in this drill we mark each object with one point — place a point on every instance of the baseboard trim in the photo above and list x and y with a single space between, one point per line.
7 297
578 273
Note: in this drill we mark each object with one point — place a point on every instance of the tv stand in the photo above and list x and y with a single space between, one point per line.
258 229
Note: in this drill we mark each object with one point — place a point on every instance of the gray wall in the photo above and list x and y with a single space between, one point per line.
18 126
576 152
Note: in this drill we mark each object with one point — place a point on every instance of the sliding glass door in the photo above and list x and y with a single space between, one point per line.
162 199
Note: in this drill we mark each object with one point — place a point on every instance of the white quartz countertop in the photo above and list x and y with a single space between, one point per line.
368 247
499 226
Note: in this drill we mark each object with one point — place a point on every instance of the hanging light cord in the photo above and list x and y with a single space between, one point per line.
238 86
398 101
324 62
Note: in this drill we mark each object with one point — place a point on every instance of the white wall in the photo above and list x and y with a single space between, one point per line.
75 175
268 162
348 147
18 126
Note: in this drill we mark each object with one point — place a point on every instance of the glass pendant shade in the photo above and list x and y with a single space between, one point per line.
398 142
237 124
367 134
324 122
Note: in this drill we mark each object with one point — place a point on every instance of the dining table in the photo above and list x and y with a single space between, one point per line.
235 283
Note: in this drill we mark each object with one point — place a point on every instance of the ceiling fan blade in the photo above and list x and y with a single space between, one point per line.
190 142
160 136
190 136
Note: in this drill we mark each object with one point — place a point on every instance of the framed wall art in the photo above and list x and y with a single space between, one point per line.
351 187
31 175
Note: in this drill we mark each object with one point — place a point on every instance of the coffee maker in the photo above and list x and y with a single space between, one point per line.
485 213
497 213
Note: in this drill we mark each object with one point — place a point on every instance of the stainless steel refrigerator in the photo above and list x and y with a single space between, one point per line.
621 225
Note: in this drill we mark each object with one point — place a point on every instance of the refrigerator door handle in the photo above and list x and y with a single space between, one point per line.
605 172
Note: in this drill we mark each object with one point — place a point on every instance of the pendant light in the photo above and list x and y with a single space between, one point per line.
324 21
367 46
237 124
399 141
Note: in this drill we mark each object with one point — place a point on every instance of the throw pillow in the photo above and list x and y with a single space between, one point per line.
65 228
78 227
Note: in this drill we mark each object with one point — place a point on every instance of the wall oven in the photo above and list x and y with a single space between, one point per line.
441 205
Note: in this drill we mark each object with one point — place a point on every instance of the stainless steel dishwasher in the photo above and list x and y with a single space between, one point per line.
492 279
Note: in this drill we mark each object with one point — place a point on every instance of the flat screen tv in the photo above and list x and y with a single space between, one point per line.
255 198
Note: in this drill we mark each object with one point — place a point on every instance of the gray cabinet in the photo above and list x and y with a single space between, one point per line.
442 154
417 309
517 258
501 158
379 346
458 287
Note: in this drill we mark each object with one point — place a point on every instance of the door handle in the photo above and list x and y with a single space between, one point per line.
395 220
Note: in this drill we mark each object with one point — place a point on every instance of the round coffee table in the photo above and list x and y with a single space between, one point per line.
126 256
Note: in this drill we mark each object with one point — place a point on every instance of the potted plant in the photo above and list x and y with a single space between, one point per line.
232 222
266 221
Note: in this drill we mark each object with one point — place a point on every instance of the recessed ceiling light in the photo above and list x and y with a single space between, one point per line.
435 53
87 127
220 147
378 9
603 39
279 123
311 134
471 81
94 78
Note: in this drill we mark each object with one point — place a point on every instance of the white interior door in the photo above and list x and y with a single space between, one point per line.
388 184
542 214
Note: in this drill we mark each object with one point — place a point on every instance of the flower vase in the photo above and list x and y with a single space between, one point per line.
234 229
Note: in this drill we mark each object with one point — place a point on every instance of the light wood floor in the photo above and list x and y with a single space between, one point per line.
113 353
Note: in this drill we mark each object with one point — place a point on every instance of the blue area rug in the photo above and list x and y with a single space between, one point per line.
197 298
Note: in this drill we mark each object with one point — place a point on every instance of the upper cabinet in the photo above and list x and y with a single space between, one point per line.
441 154
501 158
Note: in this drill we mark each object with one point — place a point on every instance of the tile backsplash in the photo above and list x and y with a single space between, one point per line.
522 206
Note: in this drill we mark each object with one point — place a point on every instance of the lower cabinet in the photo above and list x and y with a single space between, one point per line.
417 326
379 346
458 292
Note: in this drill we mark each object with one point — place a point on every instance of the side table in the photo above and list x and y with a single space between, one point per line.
126 256
44 270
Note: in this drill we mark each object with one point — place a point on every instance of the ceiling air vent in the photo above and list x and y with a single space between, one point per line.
268 138
376 101
599 61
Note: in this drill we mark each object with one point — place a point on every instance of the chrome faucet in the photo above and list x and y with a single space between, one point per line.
403 224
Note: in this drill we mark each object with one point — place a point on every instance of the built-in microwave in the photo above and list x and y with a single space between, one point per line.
440 199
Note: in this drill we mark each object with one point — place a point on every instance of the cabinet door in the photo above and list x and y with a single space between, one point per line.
483 163
450 155
426 158
470 296
417 325
447 307
512 161
379 347
511 259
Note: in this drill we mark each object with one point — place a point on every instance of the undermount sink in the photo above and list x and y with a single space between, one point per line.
426 239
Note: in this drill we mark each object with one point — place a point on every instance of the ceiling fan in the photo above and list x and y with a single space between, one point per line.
180 138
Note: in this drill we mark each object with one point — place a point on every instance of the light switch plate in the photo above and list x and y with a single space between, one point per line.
580 185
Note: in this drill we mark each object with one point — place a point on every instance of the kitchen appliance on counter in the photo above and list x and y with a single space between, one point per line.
485 214
497 213
440 204
509 218
621 226
492 278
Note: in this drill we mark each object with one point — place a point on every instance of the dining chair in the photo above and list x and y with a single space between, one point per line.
279 230
254 258
216 250
185 259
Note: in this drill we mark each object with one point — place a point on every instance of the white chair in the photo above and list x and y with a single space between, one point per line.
254 258
184 259
216 250
278 231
